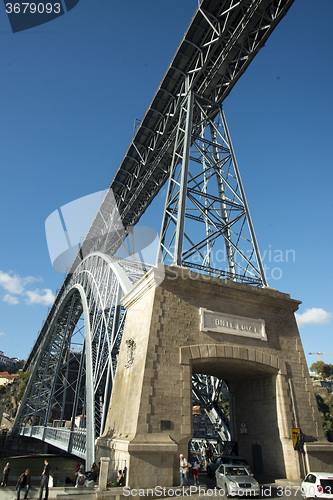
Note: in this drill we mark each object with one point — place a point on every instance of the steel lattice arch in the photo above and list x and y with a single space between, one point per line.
183 140
74 370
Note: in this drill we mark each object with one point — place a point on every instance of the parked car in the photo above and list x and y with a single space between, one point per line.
236 480
222 460
318 485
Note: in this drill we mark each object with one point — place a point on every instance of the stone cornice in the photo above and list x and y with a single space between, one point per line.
179 276
153 278
248 293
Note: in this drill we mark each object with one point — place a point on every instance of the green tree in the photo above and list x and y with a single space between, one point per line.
328 371
323 369
325 407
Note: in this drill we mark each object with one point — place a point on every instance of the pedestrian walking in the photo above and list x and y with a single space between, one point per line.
5 475
24 482
184 470
203 455
195 471
44 482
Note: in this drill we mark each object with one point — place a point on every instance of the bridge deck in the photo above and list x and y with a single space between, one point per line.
73 442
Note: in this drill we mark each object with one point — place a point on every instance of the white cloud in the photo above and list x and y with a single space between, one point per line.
2 334
10 299
315 315
44 297
15 284
11 283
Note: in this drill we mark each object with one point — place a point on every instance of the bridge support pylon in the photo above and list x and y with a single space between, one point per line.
194 323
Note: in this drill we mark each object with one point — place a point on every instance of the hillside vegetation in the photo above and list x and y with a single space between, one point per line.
10 397
323 387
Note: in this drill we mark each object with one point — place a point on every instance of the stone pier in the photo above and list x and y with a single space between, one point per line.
193 323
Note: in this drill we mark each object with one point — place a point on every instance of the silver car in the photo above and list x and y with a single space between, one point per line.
236 480
226 460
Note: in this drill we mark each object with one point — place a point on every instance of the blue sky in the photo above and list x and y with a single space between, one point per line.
70 92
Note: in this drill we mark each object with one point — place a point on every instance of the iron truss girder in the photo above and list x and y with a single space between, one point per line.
72 375
219 44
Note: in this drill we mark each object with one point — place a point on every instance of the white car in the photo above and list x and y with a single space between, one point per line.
236 480
318 485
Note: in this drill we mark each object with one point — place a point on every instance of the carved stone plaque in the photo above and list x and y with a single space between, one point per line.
211 321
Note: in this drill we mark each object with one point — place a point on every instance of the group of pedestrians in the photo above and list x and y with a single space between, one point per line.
24 481
185 469
206 455
82 478
47 479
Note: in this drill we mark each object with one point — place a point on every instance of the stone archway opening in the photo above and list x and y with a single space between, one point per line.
254 409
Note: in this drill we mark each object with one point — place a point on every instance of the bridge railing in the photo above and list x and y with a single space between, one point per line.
78 443
72 441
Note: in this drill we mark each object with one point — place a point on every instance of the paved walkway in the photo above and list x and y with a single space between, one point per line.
9 493
66 492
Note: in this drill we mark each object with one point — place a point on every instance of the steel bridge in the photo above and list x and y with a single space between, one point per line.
183 140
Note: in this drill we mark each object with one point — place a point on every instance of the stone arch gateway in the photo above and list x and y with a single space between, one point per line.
193 323
257 383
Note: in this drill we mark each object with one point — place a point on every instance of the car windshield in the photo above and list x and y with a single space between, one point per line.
241 461
231 460
236 471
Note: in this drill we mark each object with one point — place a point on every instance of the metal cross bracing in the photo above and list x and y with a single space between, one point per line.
226 448
206 390
183 137
207 224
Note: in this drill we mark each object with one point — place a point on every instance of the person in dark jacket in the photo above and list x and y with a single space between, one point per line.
24 482
44 482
